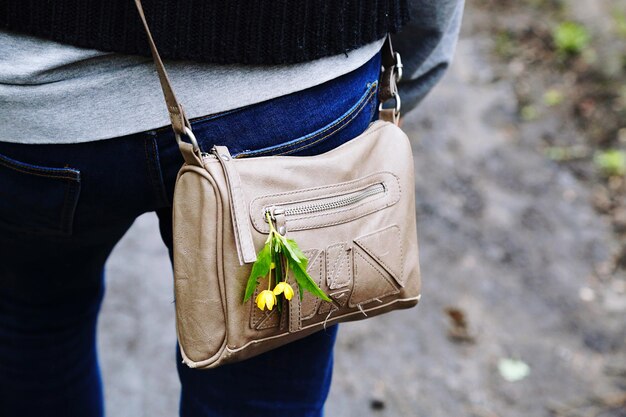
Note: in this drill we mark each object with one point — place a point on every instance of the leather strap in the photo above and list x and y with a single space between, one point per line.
174 108
388 61
389 115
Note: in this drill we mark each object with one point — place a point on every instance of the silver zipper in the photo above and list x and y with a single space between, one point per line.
330 204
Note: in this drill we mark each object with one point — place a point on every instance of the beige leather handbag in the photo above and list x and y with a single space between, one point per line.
351 212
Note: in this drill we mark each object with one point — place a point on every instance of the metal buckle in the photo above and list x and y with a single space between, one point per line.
397 104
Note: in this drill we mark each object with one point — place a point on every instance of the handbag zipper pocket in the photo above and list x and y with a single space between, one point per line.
326 206
330 204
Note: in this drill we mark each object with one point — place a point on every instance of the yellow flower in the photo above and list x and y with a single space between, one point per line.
284 287
266 298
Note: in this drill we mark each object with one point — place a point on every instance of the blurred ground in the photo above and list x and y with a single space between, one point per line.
509 239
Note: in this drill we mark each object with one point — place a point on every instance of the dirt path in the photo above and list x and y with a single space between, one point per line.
508 237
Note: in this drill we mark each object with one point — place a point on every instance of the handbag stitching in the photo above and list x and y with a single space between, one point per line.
267 322
351 313
256 313
332 272
294 319
355 285
283 319
323 187
321 276
396 228
238 227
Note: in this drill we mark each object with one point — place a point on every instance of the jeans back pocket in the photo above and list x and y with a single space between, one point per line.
37 199
345 126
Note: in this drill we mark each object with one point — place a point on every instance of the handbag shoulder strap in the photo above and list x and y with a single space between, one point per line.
174 108
391 73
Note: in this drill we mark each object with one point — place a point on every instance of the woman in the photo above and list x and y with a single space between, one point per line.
86 148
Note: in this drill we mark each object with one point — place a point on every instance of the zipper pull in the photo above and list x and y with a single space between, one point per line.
278 216
238 214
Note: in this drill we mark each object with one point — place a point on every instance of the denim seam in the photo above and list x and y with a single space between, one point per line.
41 172
28 171
216 115
69 206
364 99
154 170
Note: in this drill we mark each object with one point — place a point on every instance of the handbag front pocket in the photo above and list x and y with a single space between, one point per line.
326 206
351 260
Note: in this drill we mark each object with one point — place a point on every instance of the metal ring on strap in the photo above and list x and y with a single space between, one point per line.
398 67
190 135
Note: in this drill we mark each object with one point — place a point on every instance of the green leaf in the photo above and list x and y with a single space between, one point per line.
291 247
296 249
552 97
304 280
529 113
260 269
570 38
612 162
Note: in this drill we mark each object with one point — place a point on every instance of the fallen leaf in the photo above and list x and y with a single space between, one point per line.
459 329
513 370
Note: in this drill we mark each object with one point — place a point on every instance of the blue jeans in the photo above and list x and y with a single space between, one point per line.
64 207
